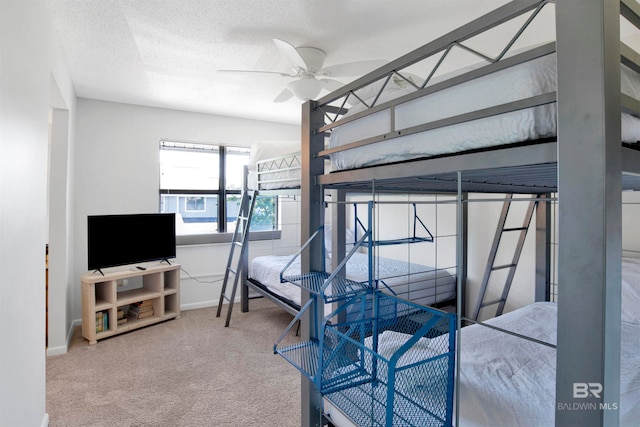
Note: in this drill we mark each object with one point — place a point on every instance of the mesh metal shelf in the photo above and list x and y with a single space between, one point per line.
390 363
339 289
304 356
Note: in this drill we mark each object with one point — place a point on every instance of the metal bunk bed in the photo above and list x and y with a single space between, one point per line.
584 161
273 176
422 284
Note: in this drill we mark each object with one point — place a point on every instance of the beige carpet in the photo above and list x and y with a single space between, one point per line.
190 371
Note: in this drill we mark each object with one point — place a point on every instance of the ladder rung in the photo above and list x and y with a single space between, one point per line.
242 228
501 267
492 302
515 229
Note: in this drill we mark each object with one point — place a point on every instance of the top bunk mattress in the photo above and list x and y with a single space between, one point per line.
522 81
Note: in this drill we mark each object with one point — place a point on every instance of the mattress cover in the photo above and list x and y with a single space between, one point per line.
522 81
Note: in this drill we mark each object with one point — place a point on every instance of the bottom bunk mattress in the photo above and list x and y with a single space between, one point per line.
418 283
506 380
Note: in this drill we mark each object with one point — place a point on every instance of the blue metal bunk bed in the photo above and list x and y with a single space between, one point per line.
582 158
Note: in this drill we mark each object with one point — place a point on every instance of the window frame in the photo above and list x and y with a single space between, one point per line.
221 235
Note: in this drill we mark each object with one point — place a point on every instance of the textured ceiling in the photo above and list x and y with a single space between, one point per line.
167 53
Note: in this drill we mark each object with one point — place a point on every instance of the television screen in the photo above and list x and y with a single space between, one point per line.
115 240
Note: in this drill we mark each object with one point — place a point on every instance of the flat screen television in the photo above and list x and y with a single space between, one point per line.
115 240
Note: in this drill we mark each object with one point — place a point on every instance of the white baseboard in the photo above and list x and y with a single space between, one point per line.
55 351
196 305
204 304
45 420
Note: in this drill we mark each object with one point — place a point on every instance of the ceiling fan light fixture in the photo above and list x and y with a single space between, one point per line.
306 88
308 69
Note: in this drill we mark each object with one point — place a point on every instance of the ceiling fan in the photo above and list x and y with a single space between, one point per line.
308 73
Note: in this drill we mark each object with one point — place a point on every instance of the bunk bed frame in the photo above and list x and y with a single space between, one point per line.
279 172
585 162
279 176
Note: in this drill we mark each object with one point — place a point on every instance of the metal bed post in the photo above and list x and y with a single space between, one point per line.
244 289
461 213
543 249
461 261
338 241
311 259
589 179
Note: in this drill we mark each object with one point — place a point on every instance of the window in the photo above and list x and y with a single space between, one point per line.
195 177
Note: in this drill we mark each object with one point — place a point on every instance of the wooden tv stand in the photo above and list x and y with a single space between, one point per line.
160 286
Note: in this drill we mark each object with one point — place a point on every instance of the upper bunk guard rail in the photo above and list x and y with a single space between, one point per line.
486 22
519 58
277 166
521 104
444 45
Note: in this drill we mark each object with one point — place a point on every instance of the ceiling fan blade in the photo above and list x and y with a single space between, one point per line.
352 68
289 51
257 72
283 96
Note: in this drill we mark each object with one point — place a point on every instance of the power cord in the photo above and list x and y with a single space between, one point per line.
199 280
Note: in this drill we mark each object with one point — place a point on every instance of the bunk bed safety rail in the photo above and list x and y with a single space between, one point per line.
303 356
442 46
319 231
383 368
279 170
332 287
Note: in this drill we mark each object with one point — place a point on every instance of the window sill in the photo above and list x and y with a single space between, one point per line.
206 239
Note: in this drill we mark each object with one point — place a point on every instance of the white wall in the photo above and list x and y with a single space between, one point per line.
484 213
117 171
30 61
395 220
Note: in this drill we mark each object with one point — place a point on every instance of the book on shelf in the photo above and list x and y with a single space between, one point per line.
142 309
145 314
99 322
142 304
102 321
121 317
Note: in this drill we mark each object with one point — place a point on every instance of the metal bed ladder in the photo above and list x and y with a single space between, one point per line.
491 263
240 239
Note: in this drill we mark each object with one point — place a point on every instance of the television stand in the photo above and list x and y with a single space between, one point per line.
101 300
